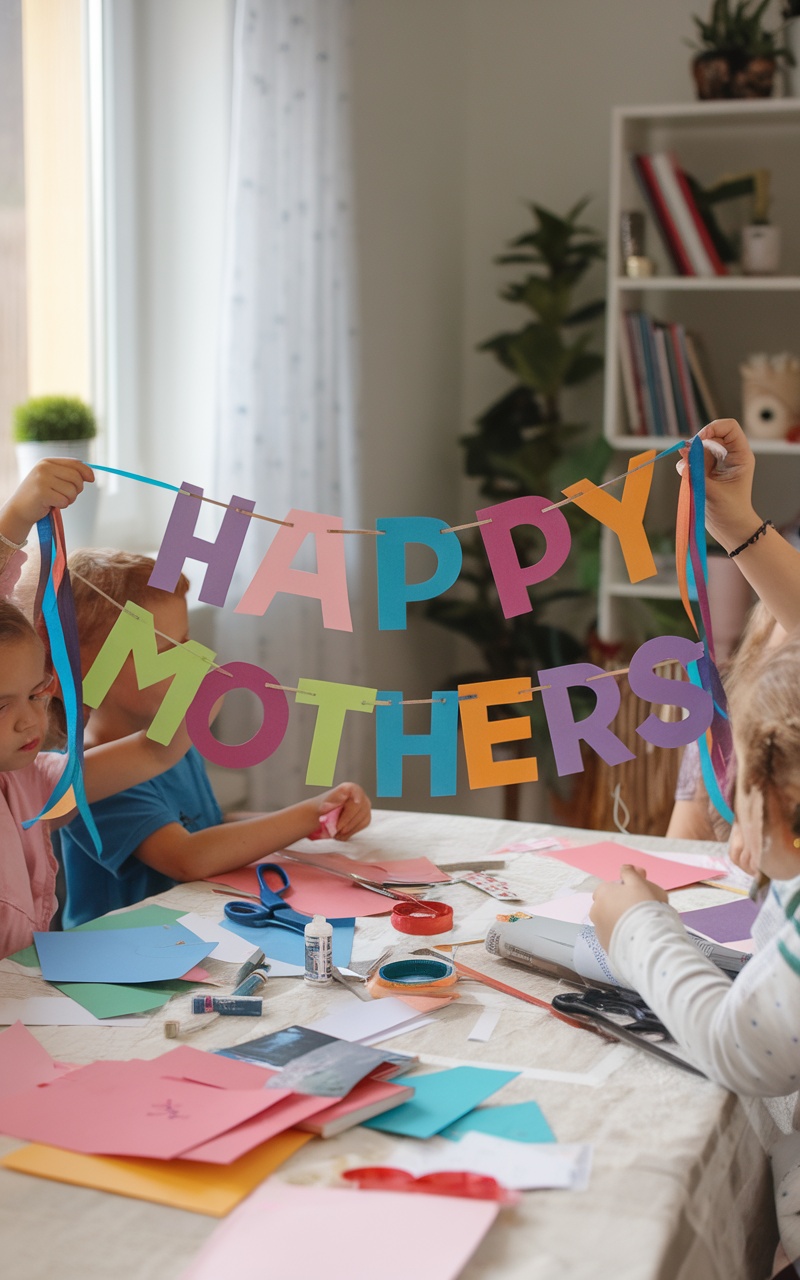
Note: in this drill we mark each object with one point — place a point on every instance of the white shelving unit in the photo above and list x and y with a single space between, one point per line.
733 315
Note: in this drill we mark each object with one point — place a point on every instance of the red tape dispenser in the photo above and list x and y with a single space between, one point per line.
467 1186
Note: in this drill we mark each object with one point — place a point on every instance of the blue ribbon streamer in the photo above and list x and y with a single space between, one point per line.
131 475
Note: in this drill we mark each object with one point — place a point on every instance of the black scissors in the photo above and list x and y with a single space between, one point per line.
271 909
596 1006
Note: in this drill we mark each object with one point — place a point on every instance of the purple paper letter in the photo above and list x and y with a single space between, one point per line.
180 543
566 732
673 693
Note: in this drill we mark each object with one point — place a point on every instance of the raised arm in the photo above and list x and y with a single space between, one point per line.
770 564
53 482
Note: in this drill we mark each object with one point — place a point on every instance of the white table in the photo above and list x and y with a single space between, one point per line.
680 1187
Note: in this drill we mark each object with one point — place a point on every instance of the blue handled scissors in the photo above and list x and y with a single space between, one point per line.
272 909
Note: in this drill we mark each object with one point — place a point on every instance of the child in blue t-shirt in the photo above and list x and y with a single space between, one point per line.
170 829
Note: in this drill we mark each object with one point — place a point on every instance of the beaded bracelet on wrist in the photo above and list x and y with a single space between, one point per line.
759 533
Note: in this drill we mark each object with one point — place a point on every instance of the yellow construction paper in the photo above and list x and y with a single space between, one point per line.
65 805
183 1184
624 516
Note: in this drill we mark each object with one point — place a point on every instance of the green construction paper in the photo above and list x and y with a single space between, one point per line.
332 701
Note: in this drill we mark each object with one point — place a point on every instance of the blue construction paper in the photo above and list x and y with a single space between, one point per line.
393 744
394 592
289 945
151 954
518 1122
440 1098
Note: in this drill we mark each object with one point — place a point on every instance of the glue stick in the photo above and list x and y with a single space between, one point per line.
318 935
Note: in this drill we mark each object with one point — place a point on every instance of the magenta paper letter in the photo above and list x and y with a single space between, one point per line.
328 584
511 578
264 741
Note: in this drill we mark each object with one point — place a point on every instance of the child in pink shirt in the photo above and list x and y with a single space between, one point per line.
27 865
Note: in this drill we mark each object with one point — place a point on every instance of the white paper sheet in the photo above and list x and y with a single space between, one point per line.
521 1166
57 1011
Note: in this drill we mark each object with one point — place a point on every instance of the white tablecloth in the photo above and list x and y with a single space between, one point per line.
680 1187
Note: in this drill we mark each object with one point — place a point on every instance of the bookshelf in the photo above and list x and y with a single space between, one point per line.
731 315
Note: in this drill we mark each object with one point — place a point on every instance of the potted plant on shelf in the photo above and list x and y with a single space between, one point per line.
56 426
523 445
736 54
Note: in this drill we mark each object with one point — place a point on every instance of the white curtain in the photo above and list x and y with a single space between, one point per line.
287 433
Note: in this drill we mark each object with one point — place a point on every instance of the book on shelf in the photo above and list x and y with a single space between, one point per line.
666 389
643 169
670 195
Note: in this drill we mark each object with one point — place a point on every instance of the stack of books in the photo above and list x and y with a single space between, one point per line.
688 235
666 390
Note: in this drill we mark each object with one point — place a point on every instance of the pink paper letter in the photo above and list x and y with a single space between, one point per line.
328 584
511 578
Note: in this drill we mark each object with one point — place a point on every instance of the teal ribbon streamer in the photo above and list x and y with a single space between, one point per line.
57 610
704 674
131 475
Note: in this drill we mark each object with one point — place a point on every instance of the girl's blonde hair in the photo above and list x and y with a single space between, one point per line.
765 716
122 575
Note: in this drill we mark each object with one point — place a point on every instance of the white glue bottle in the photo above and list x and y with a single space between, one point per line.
318 935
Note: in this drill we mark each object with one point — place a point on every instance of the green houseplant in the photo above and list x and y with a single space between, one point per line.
56 426
523 445
736 54
50 418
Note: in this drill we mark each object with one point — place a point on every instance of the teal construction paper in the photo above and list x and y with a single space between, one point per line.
289 945
149 954
518 1122
440 1098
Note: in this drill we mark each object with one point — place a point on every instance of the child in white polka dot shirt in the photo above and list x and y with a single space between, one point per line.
744 1035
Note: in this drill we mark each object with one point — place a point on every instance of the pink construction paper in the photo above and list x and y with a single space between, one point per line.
605 859
289 1111
187 1063
312 892
327 825
126 1109
306 1232
23 1062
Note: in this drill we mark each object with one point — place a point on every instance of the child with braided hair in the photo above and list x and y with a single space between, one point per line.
744 1035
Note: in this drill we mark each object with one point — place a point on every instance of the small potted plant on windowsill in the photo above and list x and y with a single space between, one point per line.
58 426
736 54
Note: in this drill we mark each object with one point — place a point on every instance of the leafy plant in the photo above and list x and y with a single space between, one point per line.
736 31
524 446
54 418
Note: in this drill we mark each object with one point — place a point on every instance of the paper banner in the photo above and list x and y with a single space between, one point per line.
566 733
